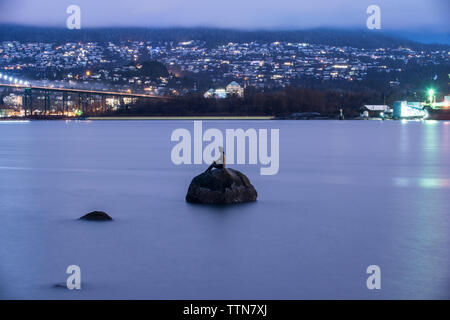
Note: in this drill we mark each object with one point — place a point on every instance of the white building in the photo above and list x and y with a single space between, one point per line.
374 110
209 93
235 88
232 88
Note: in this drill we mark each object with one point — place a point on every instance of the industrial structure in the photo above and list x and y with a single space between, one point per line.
410 110
423 110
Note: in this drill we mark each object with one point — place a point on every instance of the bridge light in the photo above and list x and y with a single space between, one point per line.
10 79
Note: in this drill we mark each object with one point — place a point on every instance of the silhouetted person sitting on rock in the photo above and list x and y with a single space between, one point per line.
219 163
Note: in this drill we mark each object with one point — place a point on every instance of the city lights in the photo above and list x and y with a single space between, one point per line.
13 80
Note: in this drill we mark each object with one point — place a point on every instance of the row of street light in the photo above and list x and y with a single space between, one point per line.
13 80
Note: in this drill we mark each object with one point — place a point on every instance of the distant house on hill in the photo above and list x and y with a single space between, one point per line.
235 88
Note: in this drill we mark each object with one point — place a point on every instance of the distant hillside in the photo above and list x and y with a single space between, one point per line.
423 36
354 38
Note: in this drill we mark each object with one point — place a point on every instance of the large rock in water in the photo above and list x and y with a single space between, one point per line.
96 216
221 186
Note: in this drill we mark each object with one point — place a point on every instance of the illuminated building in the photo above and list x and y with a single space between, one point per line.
12 100
235 88
374 110
232 88
209 93
218 93
411 110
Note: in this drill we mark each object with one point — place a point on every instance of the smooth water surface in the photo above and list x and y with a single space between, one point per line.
348 194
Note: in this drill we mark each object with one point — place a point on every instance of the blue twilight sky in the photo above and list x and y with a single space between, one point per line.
408 15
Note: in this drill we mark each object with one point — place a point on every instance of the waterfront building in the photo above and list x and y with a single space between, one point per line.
374 110
405 110
232 88
235 88
218 93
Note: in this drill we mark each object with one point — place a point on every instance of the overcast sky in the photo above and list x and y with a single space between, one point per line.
250 14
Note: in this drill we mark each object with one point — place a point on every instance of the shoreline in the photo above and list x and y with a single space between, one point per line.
184 118
263 118
140 118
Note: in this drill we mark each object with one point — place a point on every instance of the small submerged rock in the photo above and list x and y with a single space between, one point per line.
60 285
96 216
221 186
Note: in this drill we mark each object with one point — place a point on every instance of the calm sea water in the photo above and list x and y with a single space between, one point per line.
349 194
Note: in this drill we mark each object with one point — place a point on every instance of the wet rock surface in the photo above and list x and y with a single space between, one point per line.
221 186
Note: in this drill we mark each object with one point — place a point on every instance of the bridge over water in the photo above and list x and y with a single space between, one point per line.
84 96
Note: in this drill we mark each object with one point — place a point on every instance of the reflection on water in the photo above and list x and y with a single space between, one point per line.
422 182
349 194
